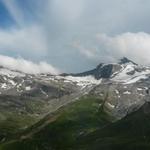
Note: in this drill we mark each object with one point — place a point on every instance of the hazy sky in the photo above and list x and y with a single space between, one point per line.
74 35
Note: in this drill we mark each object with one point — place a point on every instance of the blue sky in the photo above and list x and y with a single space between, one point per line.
75 35
5 17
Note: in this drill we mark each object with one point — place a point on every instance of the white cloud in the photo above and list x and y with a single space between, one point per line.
135 46
26 66
89 53
68 10
24 41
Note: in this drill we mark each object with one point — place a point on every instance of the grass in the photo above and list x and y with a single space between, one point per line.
83 125
129 133
79 118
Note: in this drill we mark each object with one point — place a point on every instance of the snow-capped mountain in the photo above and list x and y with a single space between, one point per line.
125 85
125 72
34 100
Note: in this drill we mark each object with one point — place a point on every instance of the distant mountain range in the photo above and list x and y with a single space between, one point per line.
31 103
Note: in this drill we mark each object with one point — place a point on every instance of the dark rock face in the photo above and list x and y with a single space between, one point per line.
104 70
125 60
101 71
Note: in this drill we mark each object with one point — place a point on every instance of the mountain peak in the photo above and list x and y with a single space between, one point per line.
125 60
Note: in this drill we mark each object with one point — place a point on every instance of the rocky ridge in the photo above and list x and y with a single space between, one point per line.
124 86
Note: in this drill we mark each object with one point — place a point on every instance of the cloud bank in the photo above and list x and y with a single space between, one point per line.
26 66
27 41
45 30
135 46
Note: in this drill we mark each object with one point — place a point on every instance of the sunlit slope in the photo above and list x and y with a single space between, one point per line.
84 126
63 129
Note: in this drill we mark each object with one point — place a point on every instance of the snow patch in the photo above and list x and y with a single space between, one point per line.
81 81
44 92
117 92
28 88
127 92
141 94
4 86
124 77
12 82
10 73
110 105
135 79
139 89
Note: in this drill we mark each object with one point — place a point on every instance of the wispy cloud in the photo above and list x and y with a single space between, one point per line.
88 52
15 11
25 41
135 46
27 66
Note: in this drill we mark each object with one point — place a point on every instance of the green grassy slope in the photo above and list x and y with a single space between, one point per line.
130 133
83 125
16 119
67 125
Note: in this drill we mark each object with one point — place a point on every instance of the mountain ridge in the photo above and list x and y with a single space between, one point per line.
25 99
